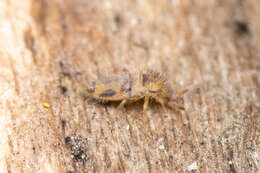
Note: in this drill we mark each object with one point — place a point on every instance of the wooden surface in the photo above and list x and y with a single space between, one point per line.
51 49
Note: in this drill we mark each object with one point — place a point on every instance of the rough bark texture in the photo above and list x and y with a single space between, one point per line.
51 49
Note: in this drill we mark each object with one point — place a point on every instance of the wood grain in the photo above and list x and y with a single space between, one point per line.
50 50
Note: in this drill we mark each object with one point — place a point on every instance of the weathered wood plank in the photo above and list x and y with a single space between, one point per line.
51 49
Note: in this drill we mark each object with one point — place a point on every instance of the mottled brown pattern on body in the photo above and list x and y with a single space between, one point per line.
157 89
123 87
95 38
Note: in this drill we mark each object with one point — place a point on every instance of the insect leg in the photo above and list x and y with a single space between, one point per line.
161 101
181 108
181 93
146 102
122 104
177 107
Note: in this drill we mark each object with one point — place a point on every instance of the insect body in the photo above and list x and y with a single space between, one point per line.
131 87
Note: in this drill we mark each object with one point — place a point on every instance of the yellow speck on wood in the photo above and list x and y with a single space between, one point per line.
46 105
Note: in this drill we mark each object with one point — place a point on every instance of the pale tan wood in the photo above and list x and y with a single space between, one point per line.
50 50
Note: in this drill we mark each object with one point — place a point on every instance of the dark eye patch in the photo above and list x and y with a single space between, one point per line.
151 91
108 93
